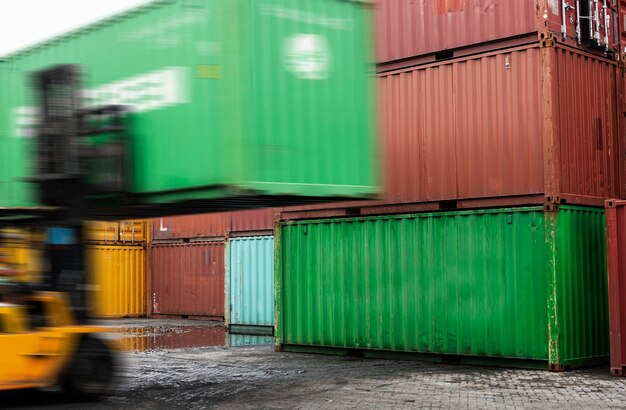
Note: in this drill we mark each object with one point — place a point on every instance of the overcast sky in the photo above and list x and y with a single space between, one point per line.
26 22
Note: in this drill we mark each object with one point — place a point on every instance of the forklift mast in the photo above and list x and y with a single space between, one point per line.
83 161
83 153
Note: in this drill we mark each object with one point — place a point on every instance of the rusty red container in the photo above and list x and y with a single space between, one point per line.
616 266
187 279
252 222
191 226
522 121
410 28
213 225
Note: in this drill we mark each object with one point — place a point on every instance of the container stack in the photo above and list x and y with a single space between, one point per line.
214 266
502 136
117 268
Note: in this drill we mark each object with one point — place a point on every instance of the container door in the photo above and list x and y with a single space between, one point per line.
251 269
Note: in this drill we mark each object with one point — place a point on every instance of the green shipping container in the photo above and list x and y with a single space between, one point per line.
262 99
506 283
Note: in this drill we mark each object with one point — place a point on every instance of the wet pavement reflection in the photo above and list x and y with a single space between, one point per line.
139 338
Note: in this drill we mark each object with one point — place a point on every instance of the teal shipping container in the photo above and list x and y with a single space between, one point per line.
250 285
233 103
248 340
521 285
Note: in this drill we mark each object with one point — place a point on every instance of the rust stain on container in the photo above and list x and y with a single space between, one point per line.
187 279
616 266
475 128
449 6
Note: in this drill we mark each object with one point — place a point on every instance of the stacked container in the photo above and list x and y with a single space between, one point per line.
502 136
117 268
190 263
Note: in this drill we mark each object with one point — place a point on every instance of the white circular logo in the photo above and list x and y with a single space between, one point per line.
307 56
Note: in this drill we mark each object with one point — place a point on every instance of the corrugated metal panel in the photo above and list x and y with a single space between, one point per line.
407 28
187 279
464 129
616 258
191 226
587 125
463 283
473 128
118 276
251 281
579 287
249 340
255 220
257 119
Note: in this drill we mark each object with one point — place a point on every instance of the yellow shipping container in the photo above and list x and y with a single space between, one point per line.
117 275
117 233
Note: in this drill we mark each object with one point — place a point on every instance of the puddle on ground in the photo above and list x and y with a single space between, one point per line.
139 339
178 337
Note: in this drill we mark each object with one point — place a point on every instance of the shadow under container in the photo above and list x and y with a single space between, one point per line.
512 286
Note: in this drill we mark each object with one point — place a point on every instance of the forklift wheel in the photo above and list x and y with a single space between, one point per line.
92 370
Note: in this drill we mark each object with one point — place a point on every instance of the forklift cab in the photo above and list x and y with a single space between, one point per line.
42 346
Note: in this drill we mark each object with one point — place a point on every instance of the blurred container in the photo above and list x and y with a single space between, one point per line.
513 283
117 232
616 258
187 279
267 102
250 285
118 277
408 28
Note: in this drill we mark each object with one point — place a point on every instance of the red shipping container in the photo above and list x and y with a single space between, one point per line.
213 224
523 121
410 28
191 226
616 266
187 279
253 221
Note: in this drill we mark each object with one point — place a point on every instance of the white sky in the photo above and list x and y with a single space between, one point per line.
27 22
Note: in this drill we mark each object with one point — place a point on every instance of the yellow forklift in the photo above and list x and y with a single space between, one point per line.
45 336
45 339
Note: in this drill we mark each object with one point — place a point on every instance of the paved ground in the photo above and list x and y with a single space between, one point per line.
257 377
